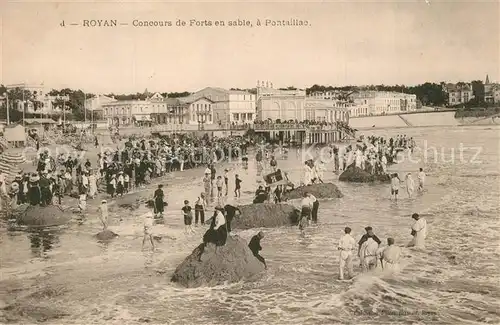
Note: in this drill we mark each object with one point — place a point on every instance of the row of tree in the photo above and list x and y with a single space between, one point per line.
430 94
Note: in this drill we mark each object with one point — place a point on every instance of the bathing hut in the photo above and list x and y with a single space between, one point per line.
15 135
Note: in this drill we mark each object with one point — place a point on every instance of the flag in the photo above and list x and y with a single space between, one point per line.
275 178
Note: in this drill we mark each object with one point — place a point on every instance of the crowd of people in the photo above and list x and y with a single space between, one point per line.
119 170
370 252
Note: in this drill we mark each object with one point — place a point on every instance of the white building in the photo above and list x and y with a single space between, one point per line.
277 104
156 97
294 105
229 106
95 103
459 93
382 102
491 91
200 111
330 94
326 110
127 112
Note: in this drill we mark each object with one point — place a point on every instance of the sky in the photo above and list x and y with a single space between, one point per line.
345 43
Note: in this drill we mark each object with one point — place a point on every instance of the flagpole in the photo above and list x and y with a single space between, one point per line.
92 118
24 106
85 108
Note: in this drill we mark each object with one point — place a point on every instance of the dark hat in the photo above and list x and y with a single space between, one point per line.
368 228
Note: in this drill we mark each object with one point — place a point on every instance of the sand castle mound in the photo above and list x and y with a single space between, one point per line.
131 201
320 191
105 235
357 175
210 265
265 215
38 216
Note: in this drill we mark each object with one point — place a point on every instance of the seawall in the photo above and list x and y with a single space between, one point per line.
418 120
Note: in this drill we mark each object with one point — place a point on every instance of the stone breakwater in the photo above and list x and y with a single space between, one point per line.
424 119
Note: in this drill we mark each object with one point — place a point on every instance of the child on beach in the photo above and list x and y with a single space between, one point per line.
82 203
103 209
219 184
410 185
226 179
237 187
188 217
421 180
199 209
395 182
148 225
126 182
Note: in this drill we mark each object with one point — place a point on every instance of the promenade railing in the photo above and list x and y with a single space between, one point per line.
295 126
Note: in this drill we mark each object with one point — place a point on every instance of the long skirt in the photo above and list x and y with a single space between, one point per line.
119 188
217 237
159 206
110 189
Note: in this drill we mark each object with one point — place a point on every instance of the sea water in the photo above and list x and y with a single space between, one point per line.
453 281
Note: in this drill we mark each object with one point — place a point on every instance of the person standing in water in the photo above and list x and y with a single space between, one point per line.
305 213
346 246
365 250
395 182
410 185
368 254
390 256
315 208
421 180
418 231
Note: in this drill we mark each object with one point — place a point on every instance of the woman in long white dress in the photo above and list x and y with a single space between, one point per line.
307 174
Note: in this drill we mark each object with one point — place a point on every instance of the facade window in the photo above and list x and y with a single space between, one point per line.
235 116
249 116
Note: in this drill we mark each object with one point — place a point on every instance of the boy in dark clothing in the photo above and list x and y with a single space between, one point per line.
230 214
255 247
237 187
